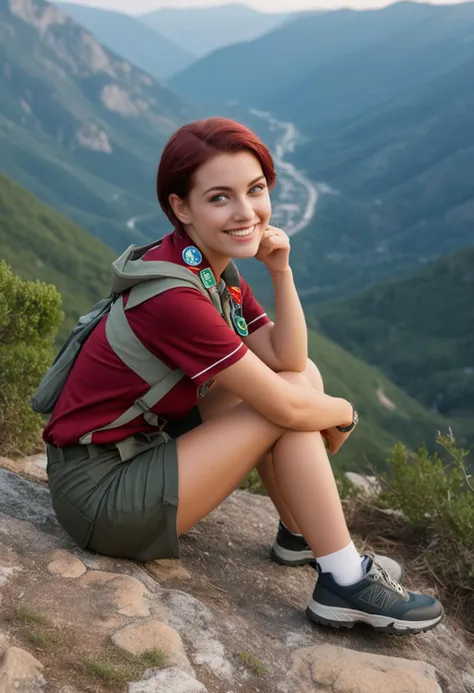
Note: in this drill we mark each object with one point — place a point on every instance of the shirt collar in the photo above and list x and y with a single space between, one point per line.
182 242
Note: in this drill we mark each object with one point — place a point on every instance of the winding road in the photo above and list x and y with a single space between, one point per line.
297 196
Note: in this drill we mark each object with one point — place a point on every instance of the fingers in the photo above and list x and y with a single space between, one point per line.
274 239
273 231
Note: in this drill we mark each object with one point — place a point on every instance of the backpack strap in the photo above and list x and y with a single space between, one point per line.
231 275
144 277
173 276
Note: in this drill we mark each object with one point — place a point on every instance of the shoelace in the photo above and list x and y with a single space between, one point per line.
388 579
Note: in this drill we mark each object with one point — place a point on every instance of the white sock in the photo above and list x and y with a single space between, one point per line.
345 565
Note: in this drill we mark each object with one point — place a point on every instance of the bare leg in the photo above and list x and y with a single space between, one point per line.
218 401
266 469
216 456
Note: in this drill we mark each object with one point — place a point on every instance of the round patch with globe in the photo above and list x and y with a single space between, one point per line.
192 256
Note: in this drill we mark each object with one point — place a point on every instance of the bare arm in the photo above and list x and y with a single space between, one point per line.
289 334
284 345
285 399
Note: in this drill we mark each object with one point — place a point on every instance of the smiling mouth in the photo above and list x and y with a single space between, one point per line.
241 233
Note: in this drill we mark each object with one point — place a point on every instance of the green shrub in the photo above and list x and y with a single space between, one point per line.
436 495
30 315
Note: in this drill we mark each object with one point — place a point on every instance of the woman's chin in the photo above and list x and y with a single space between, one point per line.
245 250
244 253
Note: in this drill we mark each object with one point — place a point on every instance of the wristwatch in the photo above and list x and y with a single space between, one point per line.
355 421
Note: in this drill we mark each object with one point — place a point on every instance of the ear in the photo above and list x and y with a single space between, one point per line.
180 209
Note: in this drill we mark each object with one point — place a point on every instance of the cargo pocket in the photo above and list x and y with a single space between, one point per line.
74 522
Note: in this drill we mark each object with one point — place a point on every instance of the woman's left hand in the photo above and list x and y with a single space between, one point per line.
274 250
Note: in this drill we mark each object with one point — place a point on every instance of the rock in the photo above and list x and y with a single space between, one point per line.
33 466
171 680
236 602
468 680
168 569
6 573
331 669
153 635
189 616
66 565
128 592
4 643
368 485
20 672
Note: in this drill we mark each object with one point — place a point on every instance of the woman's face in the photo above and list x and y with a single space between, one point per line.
228 208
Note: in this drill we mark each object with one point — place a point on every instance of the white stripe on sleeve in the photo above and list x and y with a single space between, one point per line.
263 315
218 362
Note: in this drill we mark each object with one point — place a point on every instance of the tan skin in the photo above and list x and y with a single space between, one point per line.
218 401
269 408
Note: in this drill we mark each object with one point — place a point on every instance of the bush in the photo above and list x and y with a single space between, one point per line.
436 495
30 314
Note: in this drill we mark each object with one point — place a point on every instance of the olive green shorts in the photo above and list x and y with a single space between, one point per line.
115 508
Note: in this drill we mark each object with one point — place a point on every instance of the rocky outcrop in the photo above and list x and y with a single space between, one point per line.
223 619
338 670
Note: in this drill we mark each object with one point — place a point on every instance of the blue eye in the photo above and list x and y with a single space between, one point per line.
257 188
217 198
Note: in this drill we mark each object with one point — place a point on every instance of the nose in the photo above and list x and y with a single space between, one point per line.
243 210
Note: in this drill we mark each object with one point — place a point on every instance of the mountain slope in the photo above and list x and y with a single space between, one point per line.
324 68
133 40
203 29
387 414
406 189
80 127
419 330
39 243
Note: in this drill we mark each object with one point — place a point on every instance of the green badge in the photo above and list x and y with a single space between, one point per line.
241 326
207 278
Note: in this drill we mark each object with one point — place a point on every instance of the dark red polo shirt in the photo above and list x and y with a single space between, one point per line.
181 327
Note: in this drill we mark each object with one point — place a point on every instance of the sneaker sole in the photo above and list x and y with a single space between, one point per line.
291 558
347 618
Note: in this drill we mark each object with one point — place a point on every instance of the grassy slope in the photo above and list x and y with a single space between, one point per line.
39 243
380 428
419 330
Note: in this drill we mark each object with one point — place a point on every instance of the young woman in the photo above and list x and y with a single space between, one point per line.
249 399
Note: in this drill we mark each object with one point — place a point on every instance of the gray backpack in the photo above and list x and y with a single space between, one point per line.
146 279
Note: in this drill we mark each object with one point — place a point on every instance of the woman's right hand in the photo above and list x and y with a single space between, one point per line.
335 439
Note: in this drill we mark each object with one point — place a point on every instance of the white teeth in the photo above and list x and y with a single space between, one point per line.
241 233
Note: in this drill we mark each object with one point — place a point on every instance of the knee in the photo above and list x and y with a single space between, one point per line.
313 375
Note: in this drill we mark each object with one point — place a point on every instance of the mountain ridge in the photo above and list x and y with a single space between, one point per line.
132 39
209 28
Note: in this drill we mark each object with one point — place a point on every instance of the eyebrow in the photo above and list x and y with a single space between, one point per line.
225 187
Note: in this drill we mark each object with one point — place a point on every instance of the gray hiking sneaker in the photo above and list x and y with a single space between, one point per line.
292 550
377 600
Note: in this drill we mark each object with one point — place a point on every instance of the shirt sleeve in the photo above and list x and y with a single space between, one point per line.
253 312
182 328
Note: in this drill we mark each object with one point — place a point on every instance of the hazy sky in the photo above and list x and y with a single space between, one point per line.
138 6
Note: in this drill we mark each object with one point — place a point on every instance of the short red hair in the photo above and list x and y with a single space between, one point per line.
196 143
